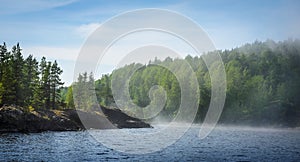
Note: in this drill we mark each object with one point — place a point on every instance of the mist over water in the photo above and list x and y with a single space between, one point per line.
223 144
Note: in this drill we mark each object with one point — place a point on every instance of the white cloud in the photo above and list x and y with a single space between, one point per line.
86 29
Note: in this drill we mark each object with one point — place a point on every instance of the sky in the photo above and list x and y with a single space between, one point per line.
58 29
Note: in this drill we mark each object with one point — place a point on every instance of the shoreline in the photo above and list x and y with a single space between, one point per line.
13 119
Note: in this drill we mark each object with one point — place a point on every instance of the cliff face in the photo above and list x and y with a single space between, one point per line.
16 120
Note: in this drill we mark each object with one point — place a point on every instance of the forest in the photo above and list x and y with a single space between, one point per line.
27 83
263 84
262 78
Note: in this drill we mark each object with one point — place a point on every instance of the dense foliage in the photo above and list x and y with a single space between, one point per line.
82 93
28 83
263 84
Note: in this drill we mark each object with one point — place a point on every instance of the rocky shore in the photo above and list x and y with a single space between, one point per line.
14 119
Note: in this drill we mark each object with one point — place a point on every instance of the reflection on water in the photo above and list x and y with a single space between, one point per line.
234 144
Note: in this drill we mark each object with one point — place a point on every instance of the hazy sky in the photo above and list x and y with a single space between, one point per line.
58 28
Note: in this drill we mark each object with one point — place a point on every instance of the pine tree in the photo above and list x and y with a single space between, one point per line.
83 92
26 82
3 65
31 80
44 88
17 71
3 59
55 84
69 98
78 92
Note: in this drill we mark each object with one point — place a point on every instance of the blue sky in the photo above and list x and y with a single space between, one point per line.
58 28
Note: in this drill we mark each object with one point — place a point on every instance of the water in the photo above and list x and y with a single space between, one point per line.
223 144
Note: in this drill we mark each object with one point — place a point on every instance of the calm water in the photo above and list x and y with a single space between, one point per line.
223 144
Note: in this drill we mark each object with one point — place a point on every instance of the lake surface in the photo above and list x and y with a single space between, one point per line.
223 144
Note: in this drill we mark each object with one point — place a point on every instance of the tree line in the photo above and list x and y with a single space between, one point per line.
81 93
28 83
263 83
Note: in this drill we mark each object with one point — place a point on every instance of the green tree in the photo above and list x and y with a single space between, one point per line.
31 80
69 98
55 85
17 71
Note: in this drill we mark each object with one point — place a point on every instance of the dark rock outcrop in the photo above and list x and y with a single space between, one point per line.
122 120
16 120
